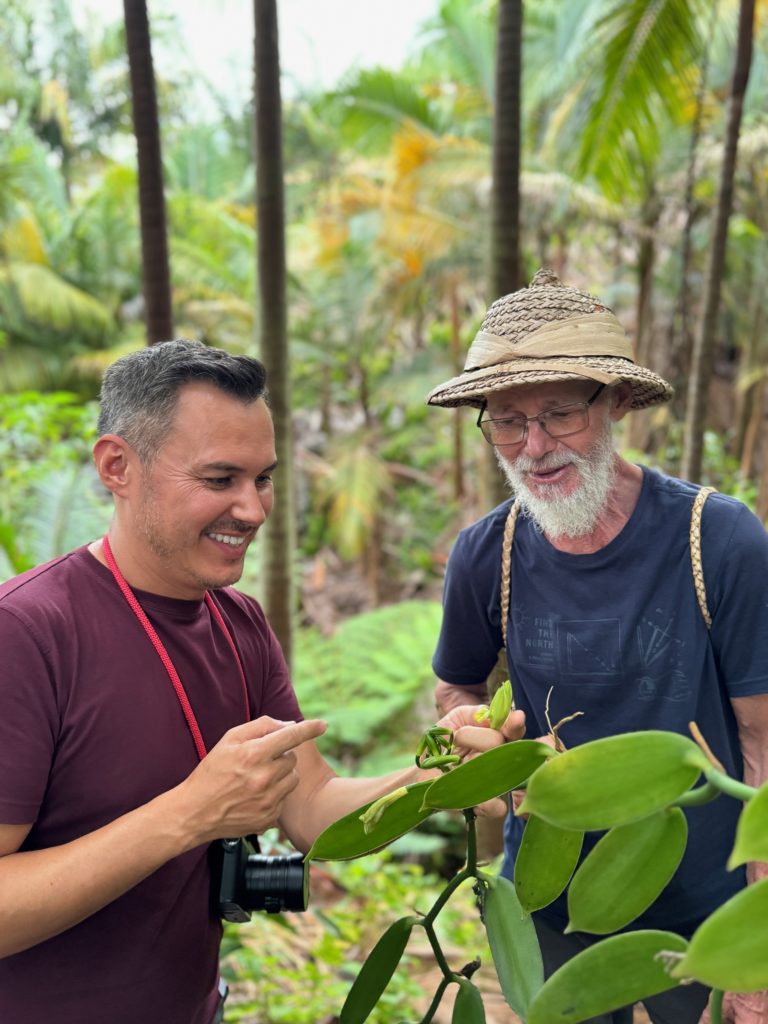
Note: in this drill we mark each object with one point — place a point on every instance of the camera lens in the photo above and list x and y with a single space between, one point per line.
276 884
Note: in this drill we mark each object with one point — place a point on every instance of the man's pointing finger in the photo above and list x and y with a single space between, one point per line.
291 735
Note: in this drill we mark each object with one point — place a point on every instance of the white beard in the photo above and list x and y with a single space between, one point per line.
569 515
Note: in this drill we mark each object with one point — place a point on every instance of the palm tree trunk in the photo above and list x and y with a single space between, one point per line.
701 369
273 339
681 343
749 378
639 425
752 430
505 275
457 471
156 272
505 269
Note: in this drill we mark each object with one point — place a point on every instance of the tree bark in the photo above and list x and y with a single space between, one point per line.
749 381
156 271
273 338
505 273
457 471
681 343
701 369
639 425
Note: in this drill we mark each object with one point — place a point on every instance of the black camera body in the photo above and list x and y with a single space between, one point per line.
244 880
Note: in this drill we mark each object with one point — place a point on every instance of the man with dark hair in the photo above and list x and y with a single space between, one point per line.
146 711
139 394
600 595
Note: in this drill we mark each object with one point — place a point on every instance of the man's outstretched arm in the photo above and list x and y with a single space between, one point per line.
322 797
238 788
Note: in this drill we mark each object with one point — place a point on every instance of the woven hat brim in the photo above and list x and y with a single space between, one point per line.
472 387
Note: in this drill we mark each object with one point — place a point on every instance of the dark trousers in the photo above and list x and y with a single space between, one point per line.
681 1005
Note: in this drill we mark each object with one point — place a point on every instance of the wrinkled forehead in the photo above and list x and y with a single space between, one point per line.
525 398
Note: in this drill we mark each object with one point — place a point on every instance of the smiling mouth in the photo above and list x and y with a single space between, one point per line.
228 539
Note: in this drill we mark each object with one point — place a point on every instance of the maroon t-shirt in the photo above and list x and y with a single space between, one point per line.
90 728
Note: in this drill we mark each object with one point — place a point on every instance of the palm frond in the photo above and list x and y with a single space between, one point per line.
12 559
647 52
50 303
372 105
352 492
69 509
460 46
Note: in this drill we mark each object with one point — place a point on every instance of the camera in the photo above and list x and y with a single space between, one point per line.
244 880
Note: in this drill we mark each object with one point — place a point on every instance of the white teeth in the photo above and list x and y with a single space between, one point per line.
234 542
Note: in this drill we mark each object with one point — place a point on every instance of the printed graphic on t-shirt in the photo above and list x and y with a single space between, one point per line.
590 647
593 651
537 638
660 659
574 648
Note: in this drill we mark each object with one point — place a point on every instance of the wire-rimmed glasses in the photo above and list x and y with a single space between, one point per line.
562 421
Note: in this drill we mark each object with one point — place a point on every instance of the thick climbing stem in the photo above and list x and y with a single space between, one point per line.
734 788
716 1006
428 922
429 1015
701 795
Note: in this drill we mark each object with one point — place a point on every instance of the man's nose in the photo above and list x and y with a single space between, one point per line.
249 506
538 442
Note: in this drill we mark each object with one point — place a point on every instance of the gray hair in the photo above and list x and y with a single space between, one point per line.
139 391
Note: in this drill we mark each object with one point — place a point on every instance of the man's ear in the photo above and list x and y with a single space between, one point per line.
116 463
621 401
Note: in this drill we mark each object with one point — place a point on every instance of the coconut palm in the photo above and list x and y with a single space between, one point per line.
46 316
273 335
154 241
505 267
701 369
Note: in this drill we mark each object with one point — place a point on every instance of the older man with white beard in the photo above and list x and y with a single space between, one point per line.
616 591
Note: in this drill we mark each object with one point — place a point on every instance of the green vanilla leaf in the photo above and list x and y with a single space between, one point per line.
547 858
613 973
625 872
729 950
488 775
346 838
752 831
514 945
468 1008
376 972
613 781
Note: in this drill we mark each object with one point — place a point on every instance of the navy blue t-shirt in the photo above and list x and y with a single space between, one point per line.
620 636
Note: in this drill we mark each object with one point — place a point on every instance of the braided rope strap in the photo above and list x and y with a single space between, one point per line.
695 539
506 569
696 563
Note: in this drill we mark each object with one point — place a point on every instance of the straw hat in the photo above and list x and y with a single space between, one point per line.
544 333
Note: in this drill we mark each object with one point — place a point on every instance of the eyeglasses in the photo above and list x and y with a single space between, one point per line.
563 421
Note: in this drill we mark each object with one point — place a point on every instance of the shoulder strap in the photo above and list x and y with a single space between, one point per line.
506 569
695 542
695 545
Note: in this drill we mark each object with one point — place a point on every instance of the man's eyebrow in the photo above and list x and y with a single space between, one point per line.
230 467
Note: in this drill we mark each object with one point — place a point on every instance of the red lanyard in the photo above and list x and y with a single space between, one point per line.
165 657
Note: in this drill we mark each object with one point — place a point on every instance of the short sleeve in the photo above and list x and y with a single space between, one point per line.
737 594
470 633
28 721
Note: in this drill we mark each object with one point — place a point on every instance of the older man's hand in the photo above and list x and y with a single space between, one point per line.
472 737
742 1008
